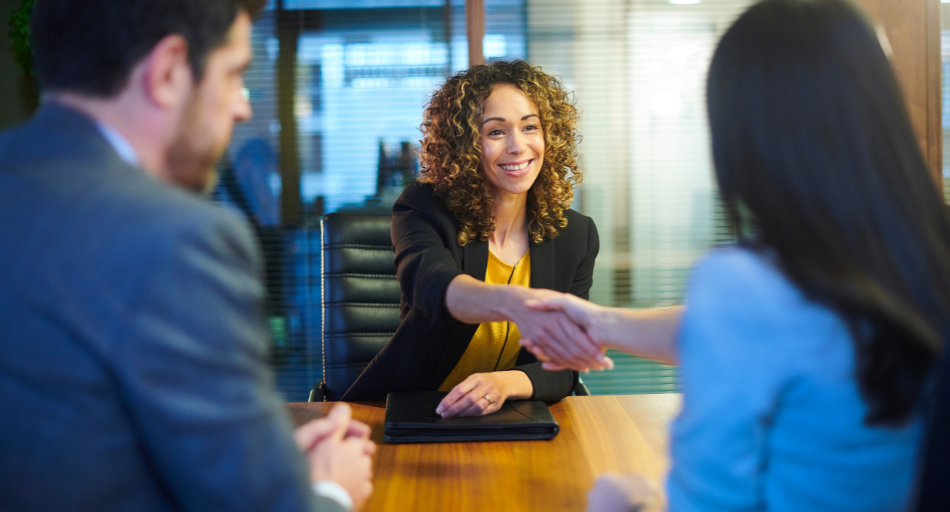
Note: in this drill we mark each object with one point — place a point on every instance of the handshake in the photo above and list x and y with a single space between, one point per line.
567 332
562 330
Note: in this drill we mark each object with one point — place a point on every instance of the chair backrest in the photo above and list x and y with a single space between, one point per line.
360 295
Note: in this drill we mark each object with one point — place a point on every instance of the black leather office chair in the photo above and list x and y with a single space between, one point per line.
360 297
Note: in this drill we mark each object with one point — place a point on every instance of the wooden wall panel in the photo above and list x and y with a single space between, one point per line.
913 29
475 30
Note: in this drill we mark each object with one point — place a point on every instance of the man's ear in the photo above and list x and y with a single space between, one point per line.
167 76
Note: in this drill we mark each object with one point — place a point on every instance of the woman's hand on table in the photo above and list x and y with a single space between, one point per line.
484 393
621 493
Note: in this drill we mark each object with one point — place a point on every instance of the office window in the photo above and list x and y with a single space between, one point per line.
638 68
338 89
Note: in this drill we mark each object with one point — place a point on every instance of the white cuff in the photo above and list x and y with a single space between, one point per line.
333 491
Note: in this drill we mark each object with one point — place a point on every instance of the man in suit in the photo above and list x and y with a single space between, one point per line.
132 371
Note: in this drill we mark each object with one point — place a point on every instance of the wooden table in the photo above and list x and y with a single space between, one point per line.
598 433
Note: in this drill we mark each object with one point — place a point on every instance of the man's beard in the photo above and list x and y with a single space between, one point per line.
192 158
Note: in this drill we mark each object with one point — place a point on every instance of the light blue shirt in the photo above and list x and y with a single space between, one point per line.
772 416
119 143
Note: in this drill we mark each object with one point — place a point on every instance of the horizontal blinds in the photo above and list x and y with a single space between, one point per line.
638 69
361 75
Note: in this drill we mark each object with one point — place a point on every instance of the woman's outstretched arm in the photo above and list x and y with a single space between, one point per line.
650 333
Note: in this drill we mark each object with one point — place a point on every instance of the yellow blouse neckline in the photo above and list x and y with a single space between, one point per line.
499 261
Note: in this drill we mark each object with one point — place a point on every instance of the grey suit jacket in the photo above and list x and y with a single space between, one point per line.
132 372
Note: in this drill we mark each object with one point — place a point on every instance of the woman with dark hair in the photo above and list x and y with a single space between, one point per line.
806 350
487 222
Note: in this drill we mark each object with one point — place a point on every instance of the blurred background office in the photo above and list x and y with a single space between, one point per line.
338 88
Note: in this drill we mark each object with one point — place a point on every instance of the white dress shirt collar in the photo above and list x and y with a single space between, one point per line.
119 143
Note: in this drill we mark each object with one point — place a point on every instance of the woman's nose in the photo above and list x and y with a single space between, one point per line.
515 144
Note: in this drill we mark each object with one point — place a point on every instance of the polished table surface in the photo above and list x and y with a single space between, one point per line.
597 434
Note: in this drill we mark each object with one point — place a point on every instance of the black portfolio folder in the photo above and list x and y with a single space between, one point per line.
411 418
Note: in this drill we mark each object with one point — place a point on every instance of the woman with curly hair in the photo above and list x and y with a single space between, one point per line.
488 224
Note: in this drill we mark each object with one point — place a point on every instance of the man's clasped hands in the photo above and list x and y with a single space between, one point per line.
338 450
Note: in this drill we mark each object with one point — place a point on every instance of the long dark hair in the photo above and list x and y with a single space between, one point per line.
811 139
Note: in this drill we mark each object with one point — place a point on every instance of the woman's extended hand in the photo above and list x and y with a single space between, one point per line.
484 393
621 493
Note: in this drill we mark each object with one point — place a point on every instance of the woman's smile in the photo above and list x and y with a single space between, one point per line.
517 169
512 141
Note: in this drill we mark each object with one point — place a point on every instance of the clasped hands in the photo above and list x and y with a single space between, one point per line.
338 449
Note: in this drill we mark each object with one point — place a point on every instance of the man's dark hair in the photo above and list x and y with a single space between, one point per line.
810 136
91 46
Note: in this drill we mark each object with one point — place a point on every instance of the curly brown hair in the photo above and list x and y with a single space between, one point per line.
450 156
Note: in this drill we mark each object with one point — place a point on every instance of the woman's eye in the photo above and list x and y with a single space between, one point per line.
495 132
531 127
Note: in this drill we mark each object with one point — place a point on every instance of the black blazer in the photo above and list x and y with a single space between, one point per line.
430 342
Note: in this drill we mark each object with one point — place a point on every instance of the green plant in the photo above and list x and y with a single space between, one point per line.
20 34
22 47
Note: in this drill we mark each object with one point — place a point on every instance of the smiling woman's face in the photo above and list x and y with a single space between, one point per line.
512 141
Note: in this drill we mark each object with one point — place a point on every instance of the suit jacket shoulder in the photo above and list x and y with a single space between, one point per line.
131 316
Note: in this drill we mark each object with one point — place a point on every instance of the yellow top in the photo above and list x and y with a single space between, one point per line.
495 344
